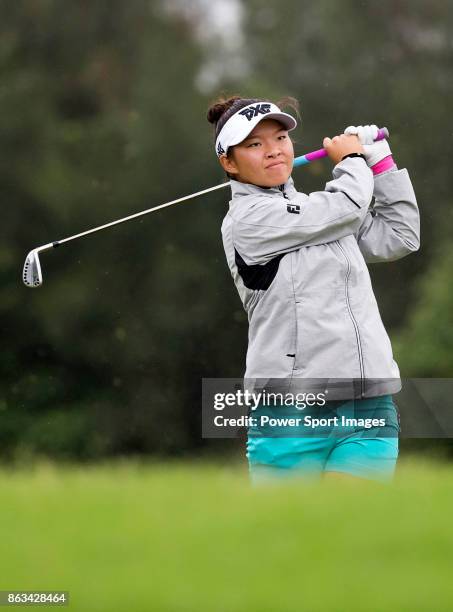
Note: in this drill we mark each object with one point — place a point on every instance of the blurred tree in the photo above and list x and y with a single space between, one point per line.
100 118
353 63
425 343
102 115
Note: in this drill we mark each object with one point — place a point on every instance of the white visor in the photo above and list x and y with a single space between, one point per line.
239 125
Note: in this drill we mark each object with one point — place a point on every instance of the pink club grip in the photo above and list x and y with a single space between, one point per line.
320 153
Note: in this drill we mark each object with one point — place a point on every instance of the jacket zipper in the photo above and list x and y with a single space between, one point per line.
282 189
354 322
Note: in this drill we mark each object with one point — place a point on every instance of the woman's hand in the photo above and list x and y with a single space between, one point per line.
342 145
374 151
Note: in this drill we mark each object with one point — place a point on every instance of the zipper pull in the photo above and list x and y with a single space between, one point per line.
282 189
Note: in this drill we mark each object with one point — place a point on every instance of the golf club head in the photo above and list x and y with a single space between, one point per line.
31 275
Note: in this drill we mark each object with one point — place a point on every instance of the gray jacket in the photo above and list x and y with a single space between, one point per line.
299 265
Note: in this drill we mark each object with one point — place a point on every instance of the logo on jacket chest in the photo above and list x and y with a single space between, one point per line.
293 208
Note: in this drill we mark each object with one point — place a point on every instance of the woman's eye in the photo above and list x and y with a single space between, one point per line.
252 144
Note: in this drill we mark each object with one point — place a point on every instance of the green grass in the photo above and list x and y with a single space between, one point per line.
196 537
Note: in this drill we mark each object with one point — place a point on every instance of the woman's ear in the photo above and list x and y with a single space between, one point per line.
228 164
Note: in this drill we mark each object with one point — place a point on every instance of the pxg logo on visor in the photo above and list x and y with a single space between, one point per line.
254 111
236 129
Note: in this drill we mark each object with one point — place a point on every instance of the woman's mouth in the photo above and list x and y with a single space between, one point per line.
275 165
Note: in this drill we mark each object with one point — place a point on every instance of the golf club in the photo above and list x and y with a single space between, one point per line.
32 274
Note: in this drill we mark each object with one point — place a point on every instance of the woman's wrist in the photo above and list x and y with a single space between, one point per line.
354 155
383 165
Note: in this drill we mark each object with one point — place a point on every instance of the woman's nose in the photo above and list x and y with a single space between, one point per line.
273 151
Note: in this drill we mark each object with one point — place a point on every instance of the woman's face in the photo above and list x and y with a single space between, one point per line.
265 158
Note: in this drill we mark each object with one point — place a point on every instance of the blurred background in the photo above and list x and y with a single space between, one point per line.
106 487
103 114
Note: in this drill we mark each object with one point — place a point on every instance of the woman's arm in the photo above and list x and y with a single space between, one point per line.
265 226
391 229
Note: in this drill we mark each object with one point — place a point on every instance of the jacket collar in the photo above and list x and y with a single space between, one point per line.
239 189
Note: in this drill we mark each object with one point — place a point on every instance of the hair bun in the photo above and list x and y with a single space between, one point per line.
220 107
215 112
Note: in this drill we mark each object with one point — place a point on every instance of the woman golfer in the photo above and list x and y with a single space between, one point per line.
299 265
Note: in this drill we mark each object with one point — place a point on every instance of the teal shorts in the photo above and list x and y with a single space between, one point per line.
346 440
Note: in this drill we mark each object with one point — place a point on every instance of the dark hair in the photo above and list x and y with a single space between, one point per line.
224 107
